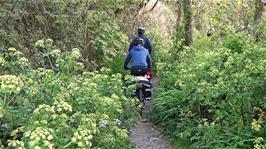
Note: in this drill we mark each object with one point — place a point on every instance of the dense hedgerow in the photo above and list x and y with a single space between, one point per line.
213 98
60 104
96 27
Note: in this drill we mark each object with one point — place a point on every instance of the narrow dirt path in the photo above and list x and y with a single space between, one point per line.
146 135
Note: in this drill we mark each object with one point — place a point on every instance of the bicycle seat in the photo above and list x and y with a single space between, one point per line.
140 78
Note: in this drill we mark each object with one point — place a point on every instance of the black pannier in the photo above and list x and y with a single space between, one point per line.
146 89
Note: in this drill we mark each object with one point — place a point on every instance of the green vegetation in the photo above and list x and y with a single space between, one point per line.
212 94
96 27
214 98
62 79
61 105
58 84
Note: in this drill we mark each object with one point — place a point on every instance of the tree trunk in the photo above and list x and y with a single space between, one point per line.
258 14
187 21
178 20
259 10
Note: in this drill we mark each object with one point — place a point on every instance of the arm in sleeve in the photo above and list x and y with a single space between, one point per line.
127 60
149 62
149 45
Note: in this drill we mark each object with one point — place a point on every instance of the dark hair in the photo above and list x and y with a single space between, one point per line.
141 30
140 41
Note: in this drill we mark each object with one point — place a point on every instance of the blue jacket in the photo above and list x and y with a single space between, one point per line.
139 58
147 43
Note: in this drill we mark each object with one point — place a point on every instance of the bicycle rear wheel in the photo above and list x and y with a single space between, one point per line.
141 100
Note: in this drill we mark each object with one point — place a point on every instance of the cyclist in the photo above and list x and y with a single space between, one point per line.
147 43
140 59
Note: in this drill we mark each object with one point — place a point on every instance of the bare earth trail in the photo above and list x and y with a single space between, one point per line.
146 135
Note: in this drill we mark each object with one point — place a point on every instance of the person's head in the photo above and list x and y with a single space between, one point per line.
141 30
140 41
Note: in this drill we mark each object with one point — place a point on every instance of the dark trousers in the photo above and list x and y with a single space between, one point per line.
139 71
